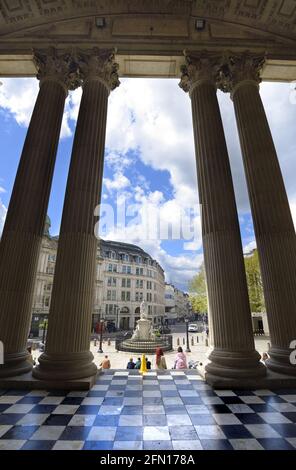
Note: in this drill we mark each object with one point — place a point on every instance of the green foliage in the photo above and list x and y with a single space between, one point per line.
198 292
198 289
254 281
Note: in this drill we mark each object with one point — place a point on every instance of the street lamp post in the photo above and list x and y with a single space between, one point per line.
117 317
100 322
44 330
187 336
101 336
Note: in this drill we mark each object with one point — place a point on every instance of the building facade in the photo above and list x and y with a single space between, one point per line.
177 304
125 276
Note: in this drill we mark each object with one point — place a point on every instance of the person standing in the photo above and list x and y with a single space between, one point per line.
160 359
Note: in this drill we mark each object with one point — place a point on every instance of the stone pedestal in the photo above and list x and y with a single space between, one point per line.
273 224
22 234
233 354
67 355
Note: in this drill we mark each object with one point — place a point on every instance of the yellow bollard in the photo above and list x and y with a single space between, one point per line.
143 368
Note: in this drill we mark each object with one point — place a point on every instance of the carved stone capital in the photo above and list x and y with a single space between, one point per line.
237 69
60 67
198 69
99 64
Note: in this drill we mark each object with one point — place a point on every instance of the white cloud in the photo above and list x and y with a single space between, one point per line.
250 246
18 97
120 181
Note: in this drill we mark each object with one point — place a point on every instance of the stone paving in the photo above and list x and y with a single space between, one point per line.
162 410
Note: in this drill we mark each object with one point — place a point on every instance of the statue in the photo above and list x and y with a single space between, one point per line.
144 329
143 310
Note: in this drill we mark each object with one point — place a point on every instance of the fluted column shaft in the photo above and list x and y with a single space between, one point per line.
234 354
26 214
67 353
273 224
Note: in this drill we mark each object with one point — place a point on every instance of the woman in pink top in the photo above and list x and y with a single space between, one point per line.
180 361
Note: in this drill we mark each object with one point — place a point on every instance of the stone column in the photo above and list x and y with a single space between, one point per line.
22 234
233 358
273 224
67 355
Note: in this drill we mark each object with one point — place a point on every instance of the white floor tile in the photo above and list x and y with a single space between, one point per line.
106 433
68 445
245 444
48 433
209 432
156 433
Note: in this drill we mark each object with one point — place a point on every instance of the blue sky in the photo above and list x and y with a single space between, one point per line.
149 161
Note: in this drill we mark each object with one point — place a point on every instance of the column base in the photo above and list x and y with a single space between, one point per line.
280 361
69 366
234 365
15 364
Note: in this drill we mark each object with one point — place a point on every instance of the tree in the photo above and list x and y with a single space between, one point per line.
198 291
254 282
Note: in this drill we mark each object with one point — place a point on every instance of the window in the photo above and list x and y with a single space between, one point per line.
126 269
149 273
126 283
139 271
108 294
110 268
49 270
47 287
109 309
114 295
125 296
139 283
139 296
51 258
46 301
149 285
111 281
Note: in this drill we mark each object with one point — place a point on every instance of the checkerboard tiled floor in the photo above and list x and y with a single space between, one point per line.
172 410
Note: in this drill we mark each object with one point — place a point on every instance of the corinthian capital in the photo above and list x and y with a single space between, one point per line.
198 68
60 67
236 69
100 65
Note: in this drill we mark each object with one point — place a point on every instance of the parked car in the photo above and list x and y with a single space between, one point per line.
193 328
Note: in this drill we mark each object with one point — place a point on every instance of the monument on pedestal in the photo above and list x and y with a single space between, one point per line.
143 338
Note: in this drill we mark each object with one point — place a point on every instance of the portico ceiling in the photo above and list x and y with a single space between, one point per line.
149 35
